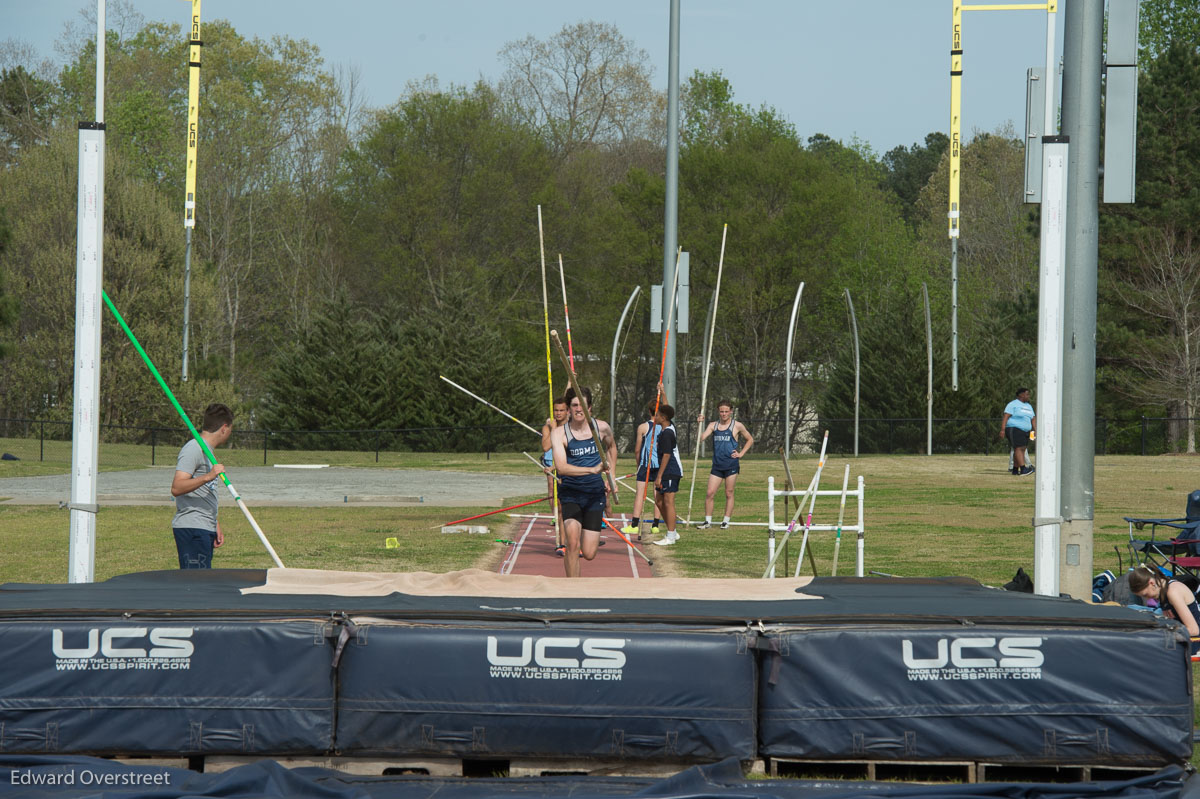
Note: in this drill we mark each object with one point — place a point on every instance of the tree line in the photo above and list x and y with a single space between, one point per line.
346 256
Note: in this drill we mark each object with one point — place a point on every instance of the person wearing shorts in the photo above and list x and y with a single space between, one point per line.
1017 426
582 493
670 471
726 459
556 420
647 453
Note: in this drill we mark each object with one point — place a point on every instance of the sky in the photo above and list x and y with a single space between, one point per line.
875 70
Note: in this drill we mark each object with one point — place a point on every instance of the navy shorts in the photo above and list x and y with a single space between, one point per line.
643 473
587 509
195 547
670 485
723 473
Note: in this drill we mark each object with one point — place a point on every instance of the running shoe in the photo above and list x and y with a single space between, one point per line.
630 530
561 551
1028 470
703 525
655 530
666 541
724 525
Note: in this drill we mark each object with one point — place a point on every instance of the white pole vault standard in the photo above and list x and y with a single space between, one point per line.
787 376
812 503
773 552
89 272
837 542
712 327
813 485
537 433
774 495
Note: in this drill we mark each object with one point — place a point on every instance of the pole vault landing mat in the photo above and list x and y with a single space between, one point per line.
50 777
485 666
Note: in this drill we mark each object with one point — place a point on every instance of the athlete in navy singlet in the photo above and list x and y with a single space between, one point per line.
583 492
726 463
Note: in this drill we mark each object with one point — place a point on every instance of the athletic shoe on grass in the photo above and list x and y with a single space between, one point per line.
1028 470
724 525
629 530
703 525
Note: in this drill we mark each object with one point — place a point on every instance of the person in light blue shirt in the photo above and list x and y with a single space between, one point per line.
1019 426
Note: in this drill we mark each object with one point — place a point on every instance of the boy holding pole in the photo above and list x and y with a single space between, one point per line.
195 525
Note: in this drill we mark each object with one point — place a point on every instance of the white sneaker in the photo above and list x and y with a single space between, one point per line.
703 525
667 540
724 525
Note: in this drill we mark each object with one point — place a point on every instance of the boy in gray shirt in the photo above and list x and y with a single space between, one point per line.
195 525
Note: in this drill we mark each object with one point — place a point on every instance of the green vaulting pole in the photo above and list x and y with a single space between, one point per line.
199 440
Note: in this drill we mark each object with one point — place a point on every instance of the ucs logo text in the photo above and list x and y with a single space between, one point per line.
599 653
975 653
118 642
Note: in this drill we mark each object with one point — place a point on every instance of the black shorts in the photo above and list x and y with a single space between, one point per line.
587 509
643 474
723 473
670 485
1016 437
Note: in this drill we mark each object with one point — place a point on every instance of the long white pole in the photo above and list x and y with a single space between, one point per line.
89 272
787 376
612 367
857 369
928 373
812 503
837 543
712 326
812 486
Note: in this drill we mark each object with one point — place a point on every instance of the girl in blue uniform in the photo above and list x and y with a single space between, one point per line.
670 470
647 452
726 459
582 492
1174 597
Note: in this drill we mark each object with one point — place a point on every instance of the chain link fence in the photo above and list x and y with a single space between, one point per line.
123 446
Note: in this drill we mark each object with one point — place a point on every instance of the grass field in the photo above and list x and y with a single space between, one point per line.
925 516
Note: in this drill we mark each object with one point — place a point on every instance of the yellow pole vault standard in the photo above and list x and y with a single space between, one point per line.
954 212
956 65
194 45
558 541
189 186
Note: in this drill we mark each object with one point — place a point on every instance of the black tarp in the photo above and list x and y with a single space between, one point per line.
268 780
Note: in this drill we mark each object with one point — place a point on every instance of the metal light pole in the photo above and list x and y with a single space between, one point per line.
671 211
929 373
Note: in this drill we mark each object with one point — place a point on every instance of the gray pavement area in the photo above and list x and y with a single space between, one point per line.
291 486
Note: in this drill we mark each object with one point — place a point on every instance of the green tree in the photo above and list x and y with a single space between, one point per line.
8 307
1149 258
910 168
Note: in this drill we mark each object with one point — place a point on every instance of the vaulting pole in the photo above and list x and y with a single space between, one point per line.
712 326
558 539
837 542
562 276
812 503
490 405
490 513
813 485
208 453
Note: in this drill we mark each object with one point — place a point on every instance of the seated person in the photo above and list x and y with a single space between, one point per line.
1174 597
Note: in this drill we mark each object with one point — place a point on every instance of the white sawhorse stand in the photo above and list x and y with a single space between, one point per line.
773 527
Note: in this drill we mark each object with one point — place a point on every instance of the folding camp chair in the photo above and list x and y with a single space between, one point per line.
1174 548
